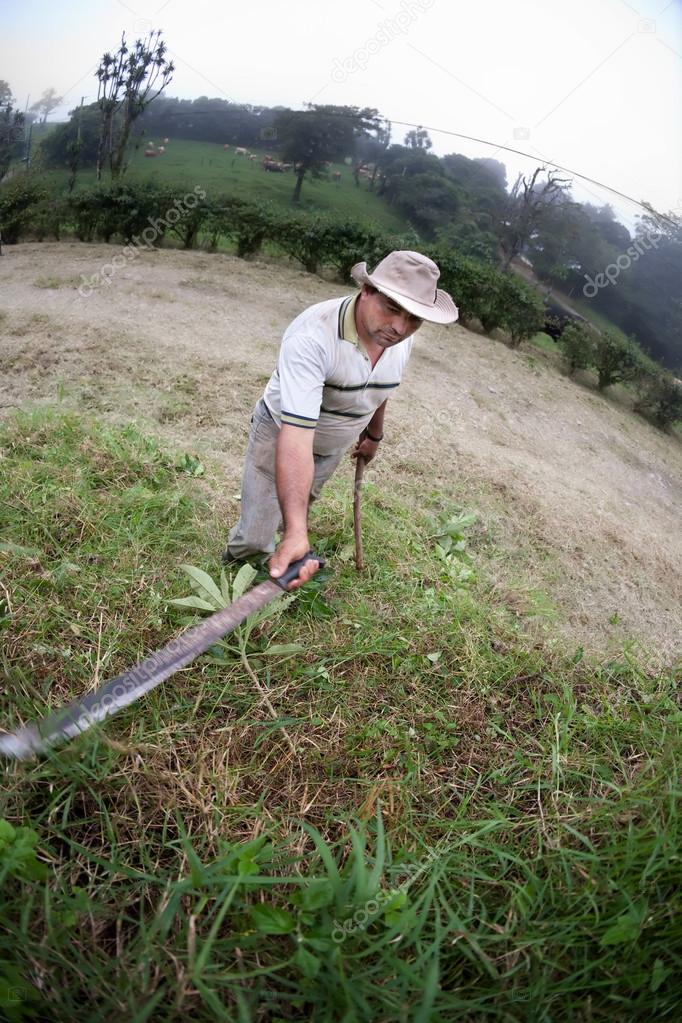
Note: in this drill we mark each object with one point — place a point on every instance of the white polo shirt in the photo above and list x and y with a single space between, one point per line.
324 379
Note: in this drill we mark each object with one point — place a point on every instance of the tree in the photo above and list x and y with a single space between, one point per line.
469 237
603 219
48 102
5 93
428 200
577 342
654 278
639 277
11 136
528 202
565 245
402 161
128 82
371 151
660 395
311 138
480 186
415 183
79 134
496 170
211 120
418 138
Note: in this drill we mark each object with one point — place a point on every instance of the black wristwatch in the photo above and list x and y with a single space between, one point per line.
369 436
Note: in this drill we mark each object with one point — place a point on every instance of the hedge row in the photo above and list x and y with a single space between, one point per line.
144 214
621 360
494 298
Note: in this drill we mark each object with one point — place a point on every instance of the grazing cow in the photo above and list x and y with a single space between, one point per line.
287 166
252 156
336 175
150 152
166 141
226 146
240 151
162 149
273 165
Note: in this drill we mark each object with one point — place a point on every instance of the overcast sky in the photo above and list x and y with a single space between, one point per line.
595 85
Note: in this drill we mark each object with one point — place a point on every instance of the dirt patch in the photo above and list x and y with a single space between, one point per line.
579 499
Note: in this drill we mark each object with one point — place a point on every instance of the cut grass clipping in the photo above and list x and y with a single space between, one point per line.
463 826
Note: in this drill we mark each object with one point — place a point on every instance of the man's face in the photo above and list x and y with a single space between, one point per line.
382 320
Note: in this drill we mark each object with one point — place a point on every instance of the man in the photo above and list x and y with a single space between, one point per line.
338 363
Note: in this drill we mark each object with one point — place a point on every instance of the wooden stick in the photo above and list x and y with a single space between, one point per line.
357 518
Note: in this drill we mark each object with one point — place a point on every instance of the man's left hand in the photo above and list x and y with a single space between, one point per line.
365 448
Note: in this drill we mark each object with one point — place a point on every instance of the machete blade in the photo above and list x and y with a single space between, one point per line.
111 697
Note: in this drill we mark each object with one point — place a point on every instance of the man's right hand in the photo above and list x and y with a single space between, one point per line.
291 549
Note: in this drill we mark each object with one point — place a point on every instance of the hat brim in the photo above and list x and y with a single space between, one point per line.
443 309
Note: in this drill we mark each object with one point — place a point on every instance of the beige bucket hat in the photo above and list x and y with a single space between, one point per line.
410 279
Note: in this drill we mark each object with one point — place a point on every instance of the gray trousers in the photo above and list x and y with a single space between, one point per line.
261 515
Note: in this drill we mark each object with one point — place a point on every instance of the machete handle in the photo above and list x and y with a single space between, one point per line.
295 567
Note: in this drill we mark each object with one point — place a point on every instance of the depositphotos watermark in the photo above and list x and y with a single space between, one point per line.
157 225
612 272
645 243
387 31
362 917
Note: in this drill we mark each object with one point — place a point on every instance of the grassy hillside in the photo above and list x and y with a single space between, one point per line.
441 821
219 171
445 788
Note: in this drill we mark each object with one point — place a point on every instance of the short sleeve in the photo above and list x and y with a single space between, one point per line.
302 369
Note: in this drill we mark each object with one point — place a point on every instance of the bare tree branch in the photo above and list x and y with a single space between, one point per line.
529 201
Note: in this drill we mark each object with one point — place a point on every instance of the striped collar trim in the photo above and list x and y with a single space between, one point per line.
347 329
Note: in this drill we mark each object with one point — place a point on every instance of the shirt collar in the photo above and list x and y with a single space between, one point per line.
347 329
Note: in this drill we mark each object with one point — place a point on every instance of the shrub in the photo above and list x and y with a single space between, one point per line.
469 283
125 210
577 346
348 242
219 223
84 214
19 197
47 217
129 210
522 309
253 225
496 299
616 359
249 224
191 222
305 239
660 396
